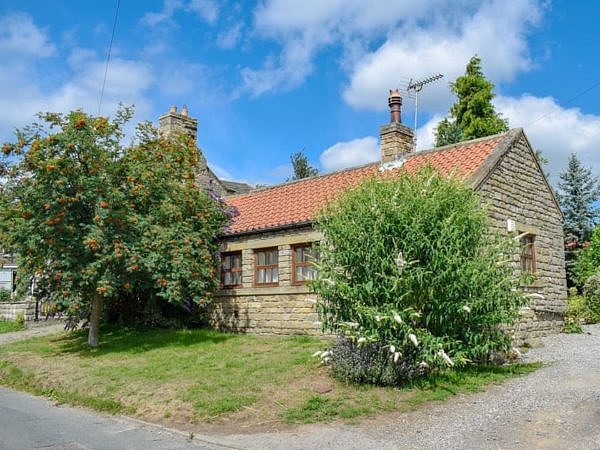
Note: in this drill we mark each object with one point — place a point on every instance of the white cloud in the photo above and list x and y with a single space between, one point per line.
420 37
351 153
554 130
22 94
229 38
345 17
426 133
152 19
178 80
420 52
18 34
207 10
288 72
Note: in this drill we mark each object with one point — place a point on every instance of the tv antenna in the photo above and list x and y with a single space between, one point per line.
416 86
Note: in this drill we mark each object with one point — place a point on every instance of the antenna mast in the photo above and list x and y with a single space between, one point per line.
416 86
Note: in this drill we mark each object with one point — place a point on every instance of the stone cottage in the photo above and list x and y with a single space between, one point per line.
266 253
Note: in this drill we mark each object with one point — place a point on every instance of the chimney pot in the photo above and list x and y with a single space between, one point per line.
395 104
173 123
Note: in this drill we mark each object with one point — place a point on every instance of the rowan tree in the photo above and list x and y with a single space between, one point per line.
473 114
93 220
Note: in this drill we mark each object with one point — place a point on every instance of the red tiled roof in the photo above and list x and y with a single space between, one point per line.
298 202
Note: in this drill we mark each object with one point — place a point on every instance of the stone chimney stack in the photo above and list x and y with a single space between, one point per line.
173 123
396 139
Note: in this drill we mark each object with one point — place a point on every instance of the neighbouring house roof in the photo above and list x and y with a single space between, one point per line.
298 202
236 187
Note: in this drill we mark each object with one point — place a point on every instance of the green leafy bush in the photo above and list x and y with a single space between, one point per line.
588 259
577 312
5 295
370 363
591 292
572 326
408 264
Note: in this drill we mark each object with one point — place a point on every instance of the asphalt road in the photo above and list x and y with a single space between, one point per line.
28 422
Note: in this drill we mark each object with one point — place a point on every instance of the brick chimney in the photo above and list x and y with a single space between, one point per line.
173 123
396 139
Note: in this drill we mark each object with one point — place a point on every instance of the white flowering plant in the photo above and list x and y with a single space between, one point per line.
408 262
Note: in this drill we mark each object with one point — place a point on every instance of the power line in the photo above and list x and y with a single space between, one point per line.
572 99
112 38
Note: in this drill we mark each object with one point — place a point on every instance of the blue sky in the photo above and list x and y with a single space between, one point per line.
268 78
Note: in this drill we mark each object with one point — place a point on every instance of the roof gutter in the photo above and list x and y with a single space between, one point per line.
290 226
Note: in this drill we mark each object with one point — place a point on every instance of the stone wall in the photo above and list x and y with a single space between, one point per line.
517 190
274 311
10 310
282 309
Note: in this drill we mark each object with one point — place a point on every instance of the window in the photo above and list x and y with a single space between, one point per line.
266 264
528 254
303 268
231 269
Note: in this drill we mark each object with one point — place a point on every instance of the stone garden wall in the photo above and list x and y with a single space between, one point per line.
10 310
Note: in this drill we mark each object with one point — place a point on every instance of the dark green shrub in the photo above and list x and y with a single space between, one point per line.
146 312
5 295
408 261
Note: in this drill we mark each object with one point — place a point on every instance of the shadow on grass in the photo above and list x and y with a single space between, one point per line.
114 339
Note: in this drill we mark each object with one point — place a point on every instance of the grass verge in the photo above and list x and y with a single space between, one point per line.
369 400
202 377
7 326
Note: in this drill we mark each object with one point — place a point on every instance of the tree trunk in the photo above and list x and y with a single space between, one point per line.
96 308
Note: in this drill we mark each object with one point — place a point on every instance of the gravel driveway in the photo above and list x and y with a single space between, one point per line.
556 407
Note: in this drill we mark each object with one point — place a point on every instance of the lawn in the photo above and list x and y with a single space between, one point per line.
211 379
7 326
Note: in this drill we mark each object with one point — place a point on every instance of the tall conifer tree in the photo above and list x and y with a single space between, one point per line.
473 115
301 166
579 190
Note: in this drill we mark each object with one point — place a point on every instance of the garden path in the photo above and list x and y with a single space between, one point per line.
33 330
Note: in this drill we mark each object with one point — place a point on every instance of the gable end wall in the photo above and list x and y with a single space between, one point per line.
517 190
